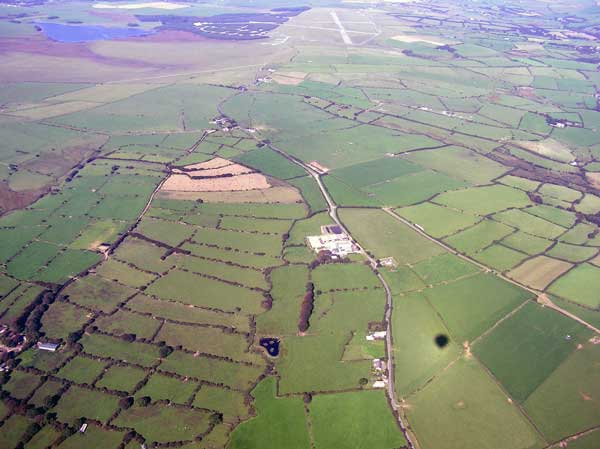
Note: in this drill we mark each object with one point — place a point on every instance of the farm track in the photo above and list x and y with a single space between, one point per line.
541 297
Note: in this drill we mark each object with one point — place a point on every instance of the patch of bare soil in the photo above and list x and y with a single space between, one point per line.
216 172
216 162
289 78
275 194
249 181
594 179
467 348
216 175
58 163
526 92
11 200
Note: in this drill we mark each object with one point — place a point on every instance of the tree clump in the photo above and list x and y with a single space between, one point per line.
307 307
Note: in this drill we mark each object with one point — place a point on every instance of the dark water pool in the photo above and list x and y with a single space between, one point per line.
271 345
87 33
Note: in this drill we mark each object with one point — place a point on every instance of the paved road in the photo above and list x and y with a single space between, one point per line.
332 210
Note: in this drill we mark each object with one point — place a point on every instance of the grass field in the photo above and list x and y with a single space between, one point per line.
484 200
387 237
300 353
564 404
527 347
417 358
354 420
438 221
77 402
163 424
177 285
571 285
445 267
454 117
280 422
478 237
464 400
466 312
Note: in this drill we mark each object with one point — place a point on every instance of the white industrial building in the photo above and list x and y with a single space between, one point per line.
337 244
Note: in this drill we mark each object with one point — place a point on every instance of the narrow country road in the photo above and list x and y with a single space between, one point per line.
541 296
332 210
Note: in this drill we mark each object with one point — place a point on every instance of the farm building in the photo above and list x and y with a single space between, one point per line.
378 365
380 335
52 347
337 244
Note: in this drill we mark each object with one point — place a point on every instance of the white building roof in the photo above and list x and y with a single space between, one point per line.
339 244
48 346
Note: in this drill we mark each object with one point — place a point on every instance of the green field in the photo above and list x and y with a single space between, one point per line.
387 237
571 285
465 399
560 406
416 356
466 312
279 422
456 142
527 347
354 420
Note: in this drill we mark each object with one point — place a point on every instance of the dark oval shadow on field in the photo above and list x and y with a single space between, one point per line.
441 340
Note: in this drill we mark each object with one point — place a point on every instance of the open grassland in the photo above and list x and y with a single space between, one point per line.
445 267
466 312
279 422
354 420
78 402
465 399
579 285
479 236
500 257
348 276
469 138
528 346
417 358
484 200
539 272
387 237
289 287
178 285
564 404
154 420
326 352
437 221
234 375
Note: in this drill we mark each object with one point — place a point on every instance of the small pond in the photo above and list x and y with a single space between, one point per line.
271 345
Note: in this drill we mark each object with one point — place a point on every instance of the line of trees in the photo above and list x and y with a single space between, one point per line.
307 307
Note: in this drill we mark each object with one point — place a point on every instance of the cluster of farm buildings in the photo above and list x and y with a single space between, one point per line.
333 240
